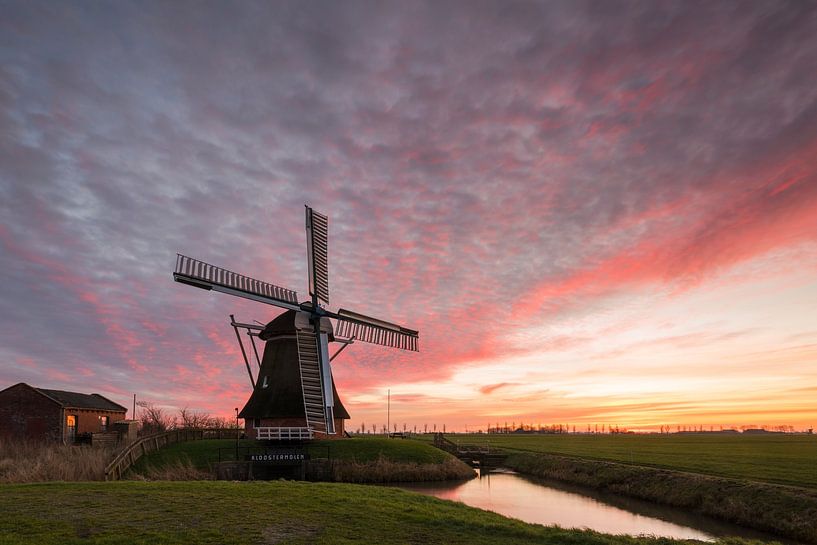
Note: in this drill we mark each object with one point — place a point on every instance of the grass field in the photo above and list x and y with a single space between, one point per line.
781 459
356 460
220 512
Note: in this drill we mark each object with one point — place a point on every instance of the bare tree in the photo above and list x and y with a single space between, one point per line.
153 419
224 423
192 419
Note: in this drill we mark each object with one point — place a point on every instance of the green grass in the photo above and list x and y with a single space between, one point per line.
781 459
129 512
366 449
202 454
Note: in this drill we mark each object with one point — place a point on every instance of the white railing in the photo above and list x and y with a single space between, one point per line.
282 434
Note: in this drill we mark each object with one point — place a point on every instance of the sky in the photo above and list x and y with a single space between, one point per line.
595 213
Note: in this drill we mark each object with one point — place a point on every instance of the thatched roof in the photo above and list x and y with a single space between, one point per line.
281 398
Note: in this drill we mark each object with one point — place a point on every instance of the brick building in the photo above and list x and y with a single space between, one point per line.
38 414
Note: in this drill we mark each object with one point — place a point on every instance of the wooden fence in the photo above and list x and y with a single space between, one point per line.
474 455
130 454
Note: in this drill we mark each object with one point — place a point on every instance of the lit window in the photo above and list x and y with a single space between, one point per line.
103 423
71 425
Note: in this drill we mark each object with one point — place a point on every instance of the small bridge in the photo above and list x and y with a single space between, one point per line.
481 457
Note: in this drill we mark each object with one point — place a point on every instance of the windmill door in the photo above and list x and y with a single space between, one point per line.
71 427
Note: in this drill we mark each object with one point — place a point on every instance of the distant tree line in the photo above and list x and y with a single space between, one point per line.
513 427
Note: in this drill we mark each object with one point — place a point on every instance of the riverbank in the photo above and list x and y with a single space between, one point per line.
783 510
786 459
356 460
239 513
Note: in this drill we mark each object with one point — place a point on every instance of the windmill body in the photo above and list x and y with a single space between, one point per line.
296 343
277 400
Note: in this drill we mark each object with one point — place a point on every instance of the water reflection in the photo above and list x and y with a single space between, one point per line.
551 503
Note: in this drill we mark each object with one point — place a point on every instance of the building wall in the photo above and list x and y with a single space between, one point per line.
88 420
27 414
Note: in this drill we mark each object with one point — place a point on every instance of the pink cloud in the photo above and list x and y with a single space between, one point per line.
730 234
491 388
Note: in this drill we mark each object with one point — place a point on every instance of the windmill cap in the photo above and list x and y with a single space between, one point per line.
287 323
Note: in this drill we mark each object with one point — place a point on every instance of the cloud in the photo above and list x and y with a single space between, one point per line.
484 168
491 388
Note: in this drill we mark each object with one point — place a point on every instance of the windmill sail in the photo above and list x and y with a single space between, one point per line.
312 384
317 249
209 277
372 330
326 380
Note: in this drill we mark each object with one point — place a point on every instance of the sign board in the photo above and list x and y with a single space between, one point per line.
278 456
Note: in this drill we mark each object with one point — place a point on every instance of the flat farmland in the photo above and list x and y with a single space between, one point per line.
774 458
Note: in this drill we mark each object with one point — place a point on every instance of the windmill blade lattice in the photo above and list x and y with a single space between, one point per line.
203 275
317 241
371 330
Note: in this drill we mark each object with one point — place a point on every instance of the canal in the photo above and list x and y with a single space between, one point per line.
548 502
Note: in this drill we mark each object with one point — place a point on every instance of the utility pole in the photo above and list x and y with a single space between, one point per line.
236 434
388 410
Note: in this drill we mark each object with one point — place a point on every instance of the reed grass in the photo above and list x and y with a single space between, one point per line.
384 470
28 462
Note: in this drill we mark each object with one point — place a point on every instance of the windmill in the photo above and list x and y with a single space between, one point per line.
312 319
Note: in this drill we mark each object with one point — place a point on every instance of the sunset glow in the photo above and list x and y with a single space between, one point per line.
593 216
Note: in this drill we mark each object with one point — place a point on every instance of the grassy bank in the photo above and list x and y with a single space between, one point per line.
782 459
358 460
783 510
260 512
383 470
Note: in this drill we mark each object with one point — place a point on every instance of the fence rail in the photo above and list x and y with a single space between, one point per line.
130 454
286 434
473 455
